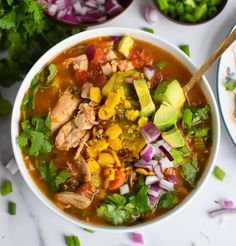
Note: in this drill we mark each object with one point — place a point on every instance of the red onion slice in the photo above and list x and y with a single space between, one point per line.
166 185
113 7
228 204
149 71
136 237
164 144
150 14
172 179
151 180
145 166
147 153
90 52
166 152
150 132
165 163
157 170
154 190
222 211
153 199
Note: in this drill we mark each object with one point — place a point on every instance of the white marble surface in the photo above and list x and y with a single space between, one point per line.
35 225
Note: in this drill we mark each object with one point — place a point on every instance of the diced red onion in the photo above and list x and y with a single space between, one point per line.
164 144
165 163
61 14
166 152
157 170
113 7
149 71
158 152
147 153
136 237
172 179
91 3
70 19
166 185
79 9
92 18
150 132
90 52
12 166
228 204
153 199
151 180
145 166
116 39
124 189
222 211
52 9
154 190
101 1
150 14
153 163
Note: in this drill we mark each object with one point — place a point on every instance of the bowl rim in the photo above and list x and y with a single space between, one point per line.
222 6
111 31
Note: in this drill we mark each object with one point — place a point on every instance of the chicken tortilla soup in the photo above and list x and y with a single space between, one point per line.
108 135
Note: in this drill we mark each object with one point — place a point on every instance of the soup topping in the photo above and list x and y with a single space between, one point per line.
107 134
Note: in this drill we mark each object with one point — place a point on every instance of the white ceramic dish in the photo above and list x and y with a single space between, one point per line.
112 32
226 65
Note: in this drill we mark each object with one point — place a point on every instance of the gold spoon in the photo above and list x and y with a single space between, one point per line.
214 56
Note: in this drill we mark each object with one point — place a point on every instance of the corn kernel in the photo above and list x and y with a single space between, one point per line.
101 145
91 152
132 114
92 165
151 174
142 122
127 104
141 171
104 113
106 159
112 100
114 131
95 94
115 144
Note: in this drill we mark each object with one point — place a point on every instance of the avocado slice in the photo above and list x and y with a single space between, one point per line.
125 45
166 116
171 92
116 81
145 100
177 155
174 138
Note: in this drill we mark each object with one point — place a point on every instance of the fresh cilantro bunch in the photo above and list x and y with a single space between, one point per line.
25 34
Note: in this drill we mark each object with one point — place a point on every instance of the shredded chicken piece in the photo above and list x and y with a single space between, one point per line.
73 169
79 62
125 65
86 90
107 69
82 144
74 199
68 102
111 55
80 161
72 132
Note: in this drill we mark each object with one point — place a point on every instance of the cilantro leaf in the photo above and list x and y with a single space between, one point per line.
167 200
51 175
141 201
62 177
190 171
112 214
200 114
117 199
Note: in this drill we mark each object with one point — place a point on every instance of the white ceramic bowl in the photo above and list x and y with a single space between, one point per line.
54 51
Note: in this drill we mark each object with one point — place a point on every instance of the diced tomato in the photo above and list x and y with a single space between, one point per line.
120 178
100 80
99 57
140 57
96 75
81 76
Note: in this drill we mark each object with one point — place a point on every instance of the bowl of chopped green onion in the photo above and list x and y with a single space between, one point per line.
190 12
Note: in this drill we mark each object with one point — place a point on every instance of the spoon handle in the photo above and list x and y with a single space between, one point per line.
216 54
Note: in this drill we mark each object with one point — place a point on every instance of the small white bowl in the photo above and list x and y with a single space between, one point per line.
57 49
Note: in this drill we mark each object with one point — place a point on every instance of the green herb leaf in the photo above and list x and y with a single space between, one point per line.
200 114
62 177
167 200
117 199
141 201
12 208
112 214
190 171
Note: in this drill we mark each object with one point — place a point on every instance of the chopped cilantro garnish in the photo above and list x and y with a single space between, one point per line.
167 200
230 85
190 170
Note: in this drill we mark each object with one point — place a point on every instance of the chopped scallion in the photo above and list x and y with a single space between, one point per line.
219 173
147 29
6 188
187 118
12 208
185 49
72 240
88 230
